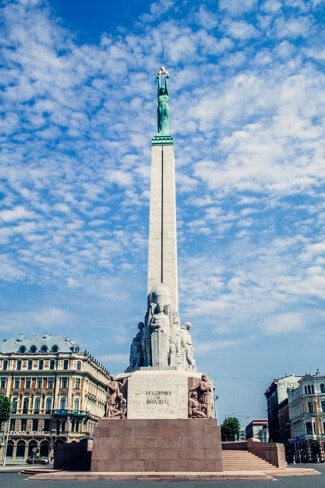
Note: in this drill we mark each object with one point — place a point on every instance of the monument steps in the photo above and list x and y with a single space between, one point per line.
236 460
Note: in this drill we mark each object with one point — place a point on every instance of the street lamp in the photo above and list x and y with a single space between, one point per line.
6 443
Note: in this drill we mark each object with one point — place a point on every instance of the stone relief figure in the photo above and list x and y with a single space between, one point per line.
136 349
195 408
160 336
146 346
116 400
136 356
187 349
203 390
163 102
175 343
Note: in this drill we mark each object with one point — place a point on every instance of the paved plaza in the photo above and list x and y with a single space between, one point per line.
11 479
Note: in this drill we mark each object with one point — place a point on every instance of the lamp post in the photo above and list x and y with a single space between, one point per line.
215 398
6 443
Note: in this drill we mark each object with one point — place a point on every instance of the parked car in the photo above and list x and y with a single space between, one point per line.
37 460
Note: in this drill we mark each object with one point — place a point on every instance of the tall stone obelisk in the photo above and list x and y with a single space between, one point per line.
162 262
160 410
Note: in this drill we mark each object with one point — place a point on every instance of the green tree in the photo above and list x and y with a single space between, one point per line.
5 409
230 428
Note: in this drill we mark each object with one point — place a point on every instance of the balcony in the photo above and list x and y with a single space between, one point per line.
64 414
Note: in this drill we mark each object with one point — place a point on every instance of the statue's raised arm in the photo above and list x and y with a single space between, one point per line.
163 102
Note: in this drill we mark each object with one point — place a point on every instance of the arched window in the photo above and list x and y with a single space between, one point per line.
45 449
33 349
322 388
40 364
78 365
32 445
37 405
22 349
63 403
18 364
48 405
25 405
44 348
10 449
21 447
55 348
76 404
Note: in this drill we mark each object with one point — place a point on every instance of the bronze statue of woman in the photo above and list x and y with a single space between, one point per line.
163 102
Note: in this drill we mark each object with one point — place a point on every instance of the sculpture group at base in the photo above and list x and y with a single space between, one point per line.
160 341
200 400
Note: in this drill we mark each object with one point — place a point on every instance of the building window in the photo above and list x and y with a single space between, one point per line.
21 447
33 349
17 383
322 388
10 449
3 383
30 364
37 406
55 348
44 348
66 364
78 365
323 405
63 403
28 383
310 407
40 364
77 383
47 425
5 365
18 364
76 404
48 405
64 382
22 349
39 382
50 382
14 406
309 429
52 364
25 406
12 424
35 425
23 424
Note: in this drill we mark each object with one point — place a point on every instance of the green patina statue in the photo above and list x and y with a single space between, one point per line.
163 102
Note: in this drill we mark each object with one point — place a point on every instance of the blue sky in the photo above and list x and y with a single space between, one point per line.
78 110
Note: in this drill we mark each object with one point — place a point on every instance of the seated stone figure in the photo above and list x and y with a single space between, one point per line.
195 408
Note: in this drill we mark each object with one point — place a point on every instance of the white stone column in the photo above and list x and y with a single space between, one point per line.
162 262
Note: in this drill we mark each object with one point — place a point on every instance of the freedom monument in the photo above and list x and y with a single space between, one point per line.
160 411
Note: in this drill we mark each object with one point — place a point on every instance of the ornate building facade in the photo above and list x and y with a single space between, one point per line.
306 405
58 392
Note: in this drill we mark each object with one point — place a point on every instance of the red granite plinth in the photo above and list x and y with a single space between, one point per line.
156 445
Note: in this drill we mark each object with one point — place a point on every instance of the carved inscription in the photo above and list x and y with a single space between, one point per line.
158 397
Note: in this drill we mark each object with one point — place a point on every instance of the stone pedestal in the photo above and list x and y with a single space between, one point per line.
159 394
168 445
